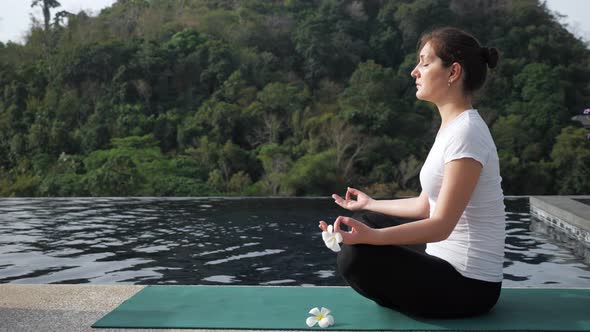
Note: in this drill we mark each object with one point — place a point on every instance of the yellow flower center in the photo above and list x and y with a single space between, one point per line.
320 317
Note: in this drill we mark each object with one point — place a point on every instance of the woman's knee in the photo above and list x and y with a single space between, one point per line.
349 259
375 219
357 260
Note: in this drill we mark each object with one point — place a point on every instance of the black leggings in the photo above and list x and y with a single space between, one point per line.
407 279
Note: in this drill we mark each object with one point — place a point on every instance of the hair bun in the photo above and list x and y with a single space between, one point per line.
490 55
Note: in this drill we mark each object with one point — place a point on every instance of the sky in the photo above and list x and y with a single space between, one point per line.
15 15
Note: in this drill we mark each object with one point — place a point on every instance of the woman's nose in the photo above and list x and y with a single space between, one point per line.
414 73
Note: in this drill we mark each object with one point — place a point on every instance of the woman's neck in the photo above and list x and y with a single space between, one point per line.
450 110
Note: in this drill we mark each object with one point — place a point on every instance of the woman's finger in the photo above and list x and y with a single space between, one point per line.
348 194
337 225
344 220
352 224
353 191
338 200
346 236
347 221
323 226
336 197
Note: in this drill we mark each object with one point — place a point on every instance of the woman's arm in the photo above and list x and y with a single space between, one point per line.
459 181
415 207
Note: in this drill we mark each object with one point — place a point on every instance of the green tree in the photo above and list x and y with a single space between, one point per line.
421 15
571 158
314 175
254 97
46 6
329 43
277 106
117 176
239 183
373 102
276 162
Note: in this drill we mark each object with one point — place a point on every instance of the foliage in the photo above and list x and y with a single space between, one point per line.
571 158
253 97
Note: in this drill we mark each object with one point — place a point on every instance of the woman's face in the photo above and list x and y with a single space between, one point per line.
431 76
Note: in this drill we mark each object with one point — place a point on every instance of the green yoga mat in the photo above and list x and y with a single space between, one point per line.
286 308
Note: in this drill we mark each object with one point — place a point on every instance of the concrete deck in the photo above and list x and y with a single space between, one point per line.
70 308
63 308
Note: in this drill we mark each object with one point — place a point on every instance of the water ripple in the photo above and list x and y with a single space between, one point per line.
259 241
248 255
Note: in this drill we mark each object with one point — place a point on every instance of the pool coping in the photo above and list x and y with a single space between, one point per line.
565 213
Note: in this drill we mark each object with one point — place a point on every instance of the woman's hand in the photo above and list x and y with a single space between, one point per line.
358 233
362 200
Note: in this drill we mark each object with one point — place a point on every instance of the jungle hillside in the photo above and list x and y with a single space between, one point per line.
277 98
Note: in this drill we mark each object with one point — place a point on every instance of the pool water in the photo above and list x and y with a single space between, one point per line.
205 241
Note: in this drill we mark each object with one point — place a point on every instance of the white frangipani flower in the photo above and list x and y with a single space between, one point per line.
332 238
322 317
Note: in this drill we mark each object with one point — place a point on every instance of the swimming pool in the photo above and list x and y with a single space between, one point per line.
238 241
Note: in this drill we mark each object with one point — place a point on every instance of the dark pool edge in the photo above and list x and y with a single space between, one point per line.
565 213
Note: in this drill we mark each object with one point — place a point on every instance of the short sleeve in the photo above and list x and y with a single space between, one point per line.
467 143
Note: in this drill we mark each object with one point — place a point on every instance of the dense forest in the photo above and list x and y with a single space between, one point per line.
281 97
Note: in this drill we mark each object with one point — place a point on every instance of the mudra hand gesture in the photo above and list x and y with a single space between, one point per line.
362 200
359 232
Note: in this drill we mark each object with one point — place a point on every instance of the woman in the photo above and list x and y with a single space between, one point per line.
460 211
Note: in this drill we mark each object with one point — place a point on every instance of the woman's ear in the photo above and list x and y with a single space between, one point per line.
455 72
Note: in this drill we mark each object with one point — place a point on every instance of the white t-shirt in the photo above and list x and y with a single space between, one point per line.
476 246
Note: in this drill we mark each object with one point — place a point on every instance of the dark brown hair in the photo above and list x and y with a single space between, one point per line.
455 45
